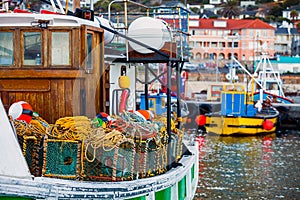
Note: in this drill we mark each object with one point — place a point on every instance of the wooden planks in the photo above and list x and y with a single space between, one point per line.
56 91
25 85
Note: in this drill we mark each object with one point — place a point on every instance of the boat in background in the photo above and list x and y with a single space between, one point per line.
270 83
265 86
239 114
70 125
265 83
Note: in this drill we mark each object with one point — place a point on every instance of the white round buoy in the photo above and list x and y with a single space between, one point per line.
228 76
150 31
21 110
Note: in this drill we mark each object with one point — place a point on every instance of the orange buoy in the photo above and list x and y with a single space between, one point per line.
268 125
21 110
145 114
201 120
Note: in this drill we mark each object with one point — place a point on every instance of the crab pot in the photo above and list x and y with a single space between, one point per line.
62 158
32 150
161 160
108 163
176 146
150 158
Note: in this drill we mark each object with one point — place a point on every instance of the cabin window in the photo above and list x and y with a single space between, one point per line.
32 48
60 44
272 86
6 48
89 48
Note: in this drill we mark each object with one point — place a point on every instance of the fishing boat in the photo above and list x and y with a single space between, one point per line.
266 83
266 86
239 114
70 125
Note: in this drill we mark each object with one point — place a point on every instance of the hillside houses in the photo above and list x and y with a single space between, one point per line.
287 41
287 12
217 38
220 38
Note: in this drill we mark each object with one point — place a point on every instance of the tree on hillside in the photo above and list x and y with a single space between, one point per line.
289 3
230 9
102 6
263 1
294 14
195 10
276 10
270 18
195 2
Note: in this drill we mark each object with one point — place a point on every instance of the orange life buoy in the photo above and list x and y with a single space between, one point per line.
145 114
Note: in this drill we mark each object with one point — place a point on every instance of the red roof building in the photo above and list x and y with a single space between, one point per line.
217 39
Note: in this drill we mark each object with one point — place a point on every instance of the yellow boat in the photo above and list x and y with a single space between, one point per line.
240 115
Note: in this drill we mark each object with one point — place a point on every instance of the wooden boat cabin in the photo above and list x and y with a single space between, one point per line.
54 62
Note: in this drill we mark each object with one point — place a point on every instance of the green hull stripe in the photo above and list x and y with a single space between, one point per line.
182 189
193 172
163 194
138 198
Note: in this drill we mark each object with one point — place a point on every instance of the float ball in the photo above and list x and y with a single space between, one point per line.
268 125
147 115
104 119
201 120
21 110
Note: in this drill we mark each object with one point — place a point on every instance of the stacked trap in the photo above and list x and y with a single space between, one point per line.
125 147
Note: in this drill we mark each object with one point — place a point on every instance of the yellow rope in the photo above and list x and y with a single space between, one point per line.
100 138
72 128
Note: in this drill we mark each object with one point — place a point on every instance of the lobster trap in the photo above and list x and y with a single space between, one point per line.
150 159
108 163
176 145
62 158
32 149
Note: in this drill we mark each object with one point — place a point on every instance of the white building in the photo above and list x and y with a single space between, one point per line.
287 13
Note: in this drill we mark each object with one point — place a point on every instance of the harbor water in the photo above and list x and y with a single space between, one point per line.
260 167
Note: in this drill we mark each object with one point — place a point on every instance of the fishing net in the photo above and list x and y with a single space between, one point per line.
62 158
125 148
31 139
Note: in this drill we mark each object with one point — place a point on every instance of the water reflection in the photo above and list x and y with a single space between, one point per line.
261 167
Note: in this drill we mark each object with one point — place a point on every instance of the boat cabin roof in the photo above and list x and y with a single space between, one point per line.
35 19
233 87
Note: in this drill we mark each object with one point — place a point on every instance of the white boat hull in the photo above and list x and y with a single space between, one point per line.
177 183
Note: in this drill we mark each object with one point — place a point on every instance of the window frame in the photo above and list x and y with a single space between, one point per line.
92 56
13 50
22 53
51 48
